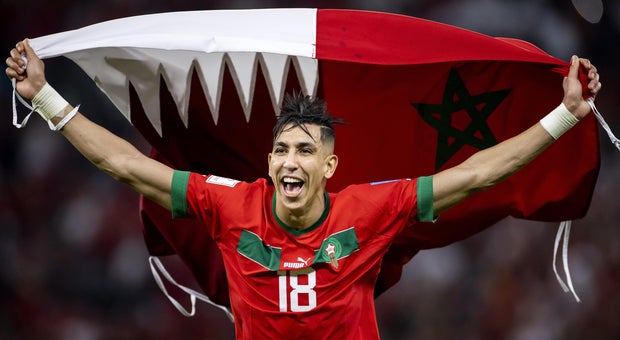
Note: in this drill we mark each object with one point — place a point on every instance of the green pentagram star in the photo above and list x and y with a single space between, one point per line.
457 98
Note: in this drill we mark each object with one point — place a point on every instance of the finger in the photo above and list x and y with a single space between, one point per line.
594 89
17 58
593 72
597 88
20 47
11 63
593 82
586 63
574 67
14 53
11 73
14 65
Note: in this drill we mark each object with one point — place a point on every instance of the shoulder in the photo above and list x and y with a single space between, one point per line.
195 194
387 186
381 193
225 184
391 195
192 182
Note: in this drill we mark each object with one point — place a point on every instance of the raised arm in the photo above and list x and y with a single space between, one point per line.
490 166
108 152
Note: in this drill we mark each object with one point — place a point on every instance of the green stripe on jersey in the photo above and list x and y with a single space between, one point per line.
180 180
425 199
252 247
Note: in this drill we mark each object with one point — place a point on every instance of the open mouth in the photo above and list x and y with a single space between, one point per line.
292 186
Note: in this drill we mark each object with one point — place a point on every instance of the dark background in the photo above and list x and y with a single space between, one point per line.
73 264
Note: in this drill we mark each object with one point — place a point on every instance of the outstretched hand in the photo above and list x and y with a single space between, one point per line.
30 76
573 96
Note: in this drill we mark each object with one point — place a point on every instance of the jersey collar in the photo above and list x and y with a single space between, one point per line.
298 232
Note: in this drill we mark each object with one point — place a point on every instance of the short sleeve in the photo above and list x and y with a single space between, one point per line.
180 182
424 194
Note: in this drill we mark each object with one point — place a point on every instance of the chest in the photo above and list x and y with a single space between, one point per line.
299 273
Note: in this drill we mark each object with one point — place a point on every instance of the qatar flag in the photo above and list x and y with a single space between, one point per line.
204 88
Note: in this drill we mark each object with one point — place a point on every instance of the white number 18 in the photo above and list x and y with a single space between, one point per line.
290 279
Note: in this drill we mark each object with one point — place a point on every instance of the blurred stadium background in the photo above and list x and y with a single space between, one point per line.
73 264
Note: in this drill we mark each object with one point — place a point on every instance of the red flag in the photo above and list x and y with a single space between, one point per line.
418 97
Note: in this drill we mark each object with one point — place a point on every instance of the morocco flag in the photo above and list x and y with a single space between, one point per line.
204 89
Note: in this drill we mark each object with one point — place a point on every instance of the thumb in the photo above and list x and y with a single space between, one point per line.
573 70
29 51
572 86
34 66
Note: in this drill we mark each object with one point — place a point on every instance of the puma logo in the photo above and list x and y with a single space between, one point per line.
304 261
301 263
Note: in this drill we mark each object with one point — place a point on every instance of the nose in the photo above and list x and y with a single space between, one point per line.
290 162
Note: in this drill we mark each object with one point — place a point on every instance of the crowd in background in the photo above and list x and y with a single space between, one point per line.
73 264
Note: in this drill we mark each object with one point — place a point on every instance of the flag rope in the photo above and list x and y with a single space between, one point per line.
614 140
23 101
156 264
564 230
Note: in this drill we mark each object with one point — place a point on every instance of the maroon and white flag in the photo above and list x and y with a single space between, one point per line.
204 89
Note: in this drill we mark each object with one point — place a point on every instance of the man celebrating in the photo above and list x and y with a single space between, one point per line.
300 262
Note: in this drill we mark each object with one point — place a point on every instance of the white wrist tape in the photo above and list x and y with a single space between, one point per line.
558 121
64 120
48 103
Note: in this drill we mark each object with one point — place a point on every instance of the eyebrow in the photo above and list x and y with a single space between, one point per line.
307 145
298 145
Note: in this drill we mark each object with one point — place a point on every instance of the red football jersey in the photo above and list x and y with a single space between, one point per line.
312 284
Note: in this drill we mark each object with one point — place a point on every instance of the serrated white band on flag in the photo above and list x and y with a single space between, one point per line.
143 49
282 31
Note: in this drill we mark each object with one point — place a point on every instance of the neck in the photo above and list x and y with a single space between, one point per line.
301 218
299 222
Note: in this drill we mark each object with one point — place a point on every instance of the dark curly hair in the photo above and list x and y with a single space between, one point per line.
299 110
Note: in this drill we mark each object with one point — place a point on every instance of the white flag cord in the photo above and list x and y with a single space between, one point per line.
614 140
23 101
564 230
563 234
51 125
156 265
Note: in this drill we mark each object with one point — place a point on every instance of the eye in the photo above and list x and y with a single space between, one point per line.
279 150
306 151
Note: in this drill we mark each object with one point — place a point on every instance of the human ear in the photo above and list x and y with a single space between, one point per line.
269 163
331 163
